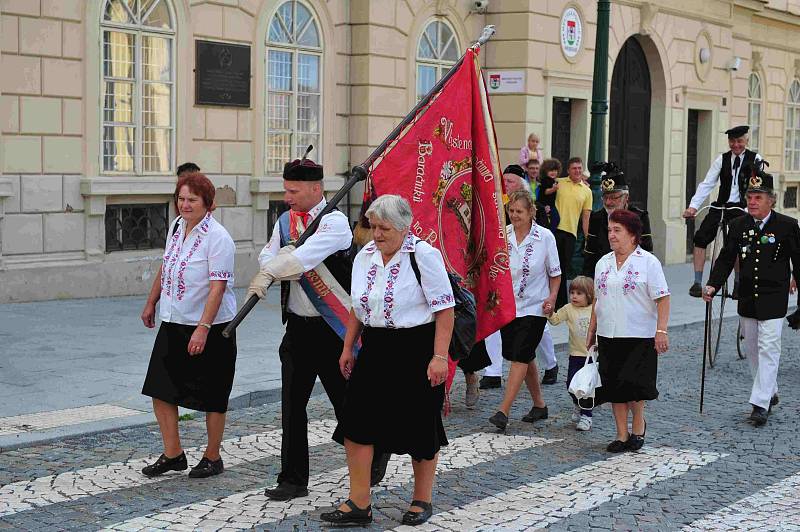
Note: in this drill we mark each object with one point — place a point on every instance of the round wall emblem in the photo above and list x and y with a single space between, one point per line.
571 32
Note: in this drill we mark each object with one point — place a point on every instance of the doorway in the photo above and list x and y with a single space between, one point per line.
629 122
562 127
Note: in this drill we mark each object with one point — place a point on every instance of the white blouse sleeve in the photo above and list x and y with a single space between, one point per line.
221 252
433 277
656 282
551 262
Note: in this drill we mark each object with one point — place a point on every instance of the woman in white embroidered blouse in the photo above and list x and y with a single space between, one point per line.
536 275
629 321
192 364
395 390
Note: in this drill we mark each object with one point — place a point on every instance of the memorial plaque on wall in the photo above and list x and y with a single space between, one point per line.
222 74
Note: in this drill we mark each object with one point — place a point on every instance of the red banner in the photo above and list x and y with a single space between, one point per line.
446 165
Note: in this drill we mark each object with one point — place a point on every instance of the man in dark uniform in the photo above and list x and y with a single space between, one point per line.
315 291
765 242
731 170
615 196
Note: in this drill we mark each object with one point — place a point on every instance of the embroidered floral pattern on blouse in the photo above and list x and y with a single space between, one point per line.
371 273
443 299
662 292
203 230
220 274
526 269
410 243
388 296
629 281
168 265
602 282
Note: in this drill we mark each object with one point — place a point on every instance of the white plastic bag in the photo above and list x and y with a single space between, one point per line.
587 379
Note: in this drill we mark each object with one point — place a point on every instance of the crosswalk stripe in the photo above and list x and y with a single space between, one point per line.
772 508
69 486
247 509
542 503
62 418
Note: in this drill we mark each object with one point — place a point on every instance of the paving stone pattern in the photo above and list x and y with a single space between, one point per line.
696 472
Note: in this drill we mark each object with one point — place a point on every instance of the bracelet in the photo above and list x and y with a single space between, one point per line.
206 325
440 357
662 331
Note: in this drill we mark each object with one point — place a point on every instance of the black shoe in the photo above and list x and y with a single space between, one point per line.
550 376
773 402
489 382
636 441
618 446
535 414
356 515
378 470
207 468
417 518
759 416
735 293
164 464
285 492
499 420
696 290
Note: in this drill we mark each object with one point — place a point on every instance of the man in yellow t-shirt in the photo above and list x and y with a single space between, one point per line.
574 204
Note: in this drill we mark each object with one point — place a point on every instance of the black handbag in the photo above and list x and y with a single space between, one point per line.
466 316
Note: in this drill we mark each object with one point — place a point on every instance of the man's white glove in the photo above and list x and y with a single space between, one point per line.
259 284
285 266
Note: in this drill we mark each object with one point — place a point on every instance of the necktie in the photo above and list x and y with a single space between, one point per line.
759 223
736 163
305 217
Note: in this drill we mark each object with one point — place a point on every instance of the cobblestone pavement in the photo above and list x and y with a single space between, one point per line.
696 472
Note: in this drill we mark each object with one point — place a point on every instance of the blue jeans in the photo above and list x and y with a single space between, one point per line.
576 363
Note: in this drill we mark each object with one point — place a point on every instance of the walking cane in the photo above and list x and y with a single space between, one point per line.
359 173
706 333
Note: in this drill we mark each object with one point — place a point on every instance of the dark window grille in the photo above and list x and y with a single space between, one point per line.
131 227
790 198
276 208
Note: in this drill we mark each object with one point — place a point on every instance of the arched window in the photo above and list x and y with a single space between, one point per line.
792 142
754 109
138 40
294 87
437 51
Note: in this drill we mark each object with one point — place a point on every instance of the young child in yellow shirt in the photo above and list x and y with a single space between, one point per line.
577 314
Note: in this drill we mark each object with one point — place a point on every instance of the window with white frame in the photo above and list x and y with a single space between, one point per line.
294 86
138 86
437 52
792 141
754 109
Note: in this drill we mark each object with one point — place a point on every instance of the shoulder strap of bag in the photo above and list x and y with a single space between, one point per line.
175 227
414 265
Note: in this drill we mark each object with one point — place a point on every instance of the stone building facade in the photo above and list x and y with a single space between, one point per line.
98 107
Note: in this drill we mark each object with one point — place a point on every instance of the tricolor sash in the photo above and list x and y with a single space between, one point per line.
323 290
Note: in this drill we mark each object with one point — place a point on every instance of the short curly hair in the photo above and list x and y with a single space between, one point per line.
548 166
198 184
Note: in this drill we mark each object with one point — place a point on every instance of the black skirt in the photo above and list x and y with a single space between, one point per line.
628 370
521 337
477 360
389 401
201 382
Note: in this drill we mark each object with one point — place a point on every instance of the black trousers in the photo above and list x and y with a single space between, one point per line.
565 243
309 349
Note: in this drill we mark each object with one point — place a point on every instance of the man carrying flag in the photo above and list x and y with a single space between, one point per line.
315 288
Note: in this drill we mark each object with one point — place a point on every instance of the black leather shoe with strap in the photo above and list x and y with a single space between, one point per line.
417 518
285 492
164 464
356 515
207 468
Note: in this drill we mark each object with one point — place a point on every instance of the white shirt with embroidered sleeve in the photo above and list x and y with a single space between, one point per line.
332 235
533 261
626 297
190 263
390 296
